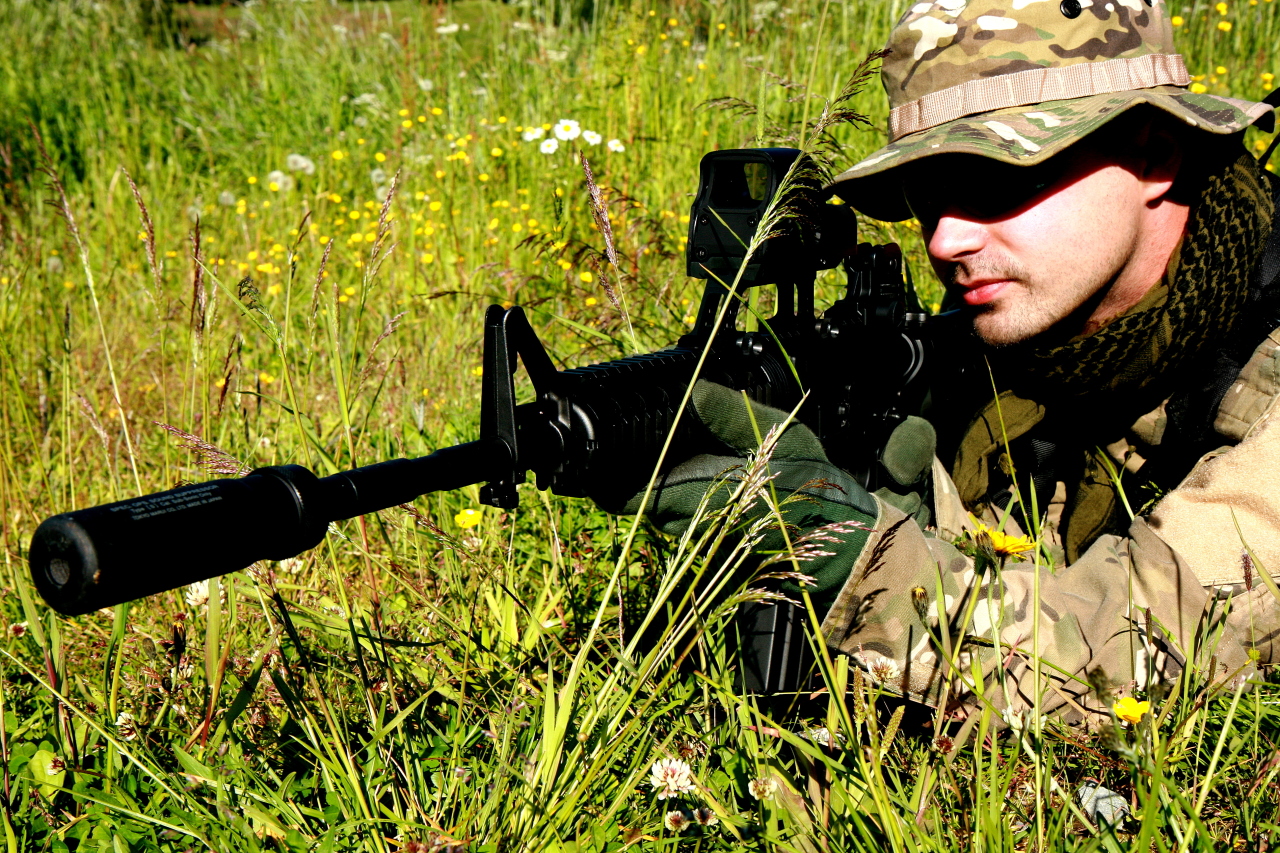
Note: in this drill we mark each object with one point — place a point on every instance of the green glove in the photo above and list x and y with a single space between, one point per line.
799 465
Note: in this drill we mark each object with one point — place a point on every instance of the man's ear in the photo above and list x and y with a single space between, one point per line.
1160 150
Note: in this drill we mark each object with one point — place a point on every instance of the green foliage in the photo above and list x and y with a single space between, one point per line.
452 675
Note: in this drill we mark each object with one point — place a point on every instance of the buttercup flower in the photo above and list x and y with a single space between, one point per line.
566 129
1131 710
616 146
591 137
671 777
549 146
468 518
282 181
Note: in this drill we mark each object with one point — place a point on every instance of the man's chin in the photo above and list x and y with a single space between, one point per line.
1005 329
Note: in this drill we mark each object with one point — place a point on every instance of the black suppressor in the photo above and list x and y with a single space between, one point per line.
96 557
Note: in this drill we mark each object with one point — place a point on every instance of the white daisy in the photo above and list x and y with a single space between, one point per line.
566 129
532 133
616 146
549 146
591 137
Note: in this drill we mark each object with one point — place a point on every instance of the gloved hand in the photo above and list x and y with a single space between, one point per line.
800 466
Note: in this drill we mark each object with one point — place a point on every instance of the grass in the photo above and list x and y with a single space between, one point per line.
451 676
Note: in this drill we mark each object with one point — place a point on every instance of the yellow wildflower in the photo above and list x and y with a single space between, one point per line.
1177 20
1131 710
1221 8
1199 88
1225 26
1004 544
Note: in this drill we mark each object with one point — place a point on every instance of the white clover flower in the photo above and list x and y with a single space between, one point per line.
18 629
762 789
125 726
549 146
532 133
299 163
884 670
675 821
53 264
591 137
197 594
226 198
671 777
705 816
566 129
448 29
426 84
616 146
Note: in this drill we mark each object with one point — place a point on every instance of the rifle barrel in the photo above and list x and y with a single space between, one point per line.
100 556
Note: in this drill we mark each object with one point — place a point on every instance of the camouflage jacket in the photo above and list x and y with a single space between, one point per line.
945 617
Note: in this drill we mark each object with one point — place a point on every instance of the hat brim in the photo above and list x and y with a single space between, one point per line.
1027 135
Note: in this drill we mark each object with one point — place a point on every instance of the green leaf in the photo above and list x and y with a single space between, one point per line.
48 770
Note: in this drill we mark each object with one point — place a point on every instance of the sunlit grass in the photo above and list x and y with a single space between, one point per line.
413 680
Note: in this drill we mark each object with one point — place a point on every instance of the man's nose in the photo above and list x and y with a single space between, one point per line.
955 236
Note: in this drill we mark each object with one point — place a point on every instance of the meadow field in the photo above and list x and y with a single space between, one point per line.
251 234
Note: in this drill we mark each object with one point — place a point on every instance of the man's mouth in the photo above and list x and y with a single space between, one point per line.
981 292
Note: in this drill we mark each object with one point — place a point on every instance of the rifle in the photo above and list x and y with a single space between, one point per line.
597 430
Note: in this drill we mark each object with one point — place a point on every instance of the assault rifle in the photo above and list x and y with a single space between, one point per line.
596 430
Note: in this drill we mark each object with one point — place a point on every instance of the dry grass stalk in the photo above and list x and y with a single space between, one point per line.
199 298
95 423
210 457
148 229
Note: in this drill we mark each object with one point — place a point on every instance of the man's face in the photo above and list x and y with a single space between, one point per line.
1029 248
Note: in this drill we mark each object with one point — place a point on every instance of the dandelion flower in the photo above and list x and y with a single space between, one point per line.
591 137
566 129
468 518
616 146
671 777
1004 544
1225 26
1131 710
299 163
1199 88
281 180
675 821
762 789
1221 8
1177 20
549 146
227 198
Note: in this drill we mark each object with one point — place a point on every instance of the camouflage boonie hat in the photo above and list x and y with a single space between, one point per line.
1020 80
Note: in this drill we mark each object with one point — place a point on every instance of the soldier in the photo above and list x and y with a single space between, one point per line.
1104 236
